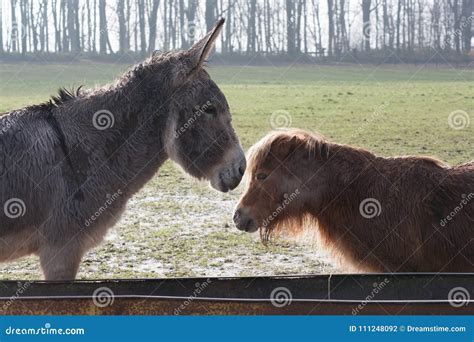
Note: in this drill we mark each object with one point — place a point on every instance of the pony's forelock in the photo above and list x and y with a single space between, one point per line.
315 144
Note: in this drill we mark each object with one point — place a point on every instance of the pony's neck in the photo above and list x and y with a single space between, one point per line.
348 171
333 186
346 163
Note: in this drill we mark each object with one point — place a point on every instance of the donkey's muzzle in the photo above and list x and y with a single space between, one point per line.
229 177
238 172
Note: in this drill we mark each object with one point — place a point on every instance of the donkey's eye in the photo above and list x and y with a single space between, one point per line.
261 176
211 110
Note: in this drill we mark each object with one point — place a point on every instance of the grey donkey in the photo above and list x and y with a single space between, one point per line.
69 166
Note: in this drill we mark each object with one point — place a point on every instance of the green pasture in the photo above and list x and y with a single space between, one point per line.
178 227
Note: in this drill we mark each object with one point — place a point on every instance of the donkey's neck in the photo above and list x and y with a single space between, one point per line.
117 131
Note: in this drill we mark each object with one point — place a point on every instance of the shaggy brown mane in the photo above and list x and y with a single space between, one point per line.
281 143
287 227
284 142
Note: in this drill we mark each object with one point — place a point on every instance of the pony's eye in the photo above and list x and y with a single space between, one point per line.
261 176
211 110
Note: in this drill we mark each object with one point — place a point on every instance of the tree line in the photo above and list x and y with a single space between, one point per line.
326 28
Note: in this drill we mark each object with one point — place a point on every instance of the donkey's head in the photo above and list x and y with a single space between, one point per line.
283 169
200 137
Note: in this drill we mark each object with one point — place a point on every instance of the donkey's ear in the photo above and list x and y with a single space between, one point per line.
199 52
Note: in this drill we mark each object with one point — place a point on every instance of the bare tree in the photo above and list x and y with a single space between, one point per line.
14 28
73 24
1 28
290 27
44 26
454 5
124 41
366 23
342 24
211 13
191 16
255 26
466 19
251 29
297 19
62 19
103 32
141 23
24 25
152 25
399 9
330 27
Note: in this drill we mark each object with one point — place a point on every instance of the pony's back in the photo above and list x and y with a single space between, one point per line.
410 214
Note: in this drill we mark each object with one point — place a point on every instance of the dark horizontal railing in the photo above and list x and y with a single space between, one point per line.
420 293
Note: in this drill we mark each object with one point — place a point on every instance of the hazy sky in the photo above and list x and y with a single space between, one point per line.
353 15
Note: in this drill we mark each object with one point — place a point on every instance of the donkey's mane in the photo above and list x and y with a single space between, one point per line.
64 95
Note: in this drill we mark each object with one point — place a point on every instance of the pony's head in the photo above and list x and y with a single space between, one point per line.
280 168
199 134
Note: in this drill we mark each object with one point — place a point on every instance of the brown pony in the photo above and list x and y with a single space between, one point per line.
403 214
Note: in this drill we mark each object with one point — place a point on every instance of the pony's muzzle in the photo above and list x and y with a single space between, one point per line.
244 221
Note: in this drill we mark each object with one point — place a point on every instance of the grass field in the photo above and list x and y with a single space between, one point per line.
178 227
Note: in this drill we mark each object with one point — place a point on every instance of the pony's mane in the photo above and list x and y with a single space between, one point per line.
64 95
281 144
285 142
